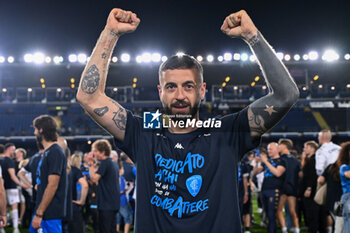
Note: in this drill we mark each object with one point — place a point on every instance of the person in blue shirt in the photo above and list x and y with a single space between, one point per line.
344 160
274 168
184 173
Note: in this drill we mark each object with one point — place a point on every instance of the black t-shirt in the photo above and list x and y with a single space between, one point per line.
270 180
243 171
188 182
334 189
108 186
53 162
7 163
291 180
128 172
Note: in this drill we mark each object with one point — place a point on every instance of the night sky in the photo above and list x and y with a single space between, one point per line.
193 26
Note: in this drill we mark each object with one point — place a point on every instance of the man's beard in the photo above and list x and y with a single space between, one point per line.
168 110
39 141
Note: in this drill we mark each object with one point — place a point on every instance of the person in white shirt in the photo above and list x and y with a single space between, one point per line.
327 153
2 202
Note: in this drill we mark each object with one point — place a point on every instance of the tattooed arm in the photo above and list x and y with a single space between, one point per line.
91 92
265 112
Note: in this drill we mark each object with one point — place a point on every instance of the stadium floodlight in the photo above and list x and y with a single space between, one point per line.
244 57
347 56
228 56
296 57
115 89
82 58
156 57
2 59
235 88
330 55
287 57
280 55
125 57
28 58
59 89
332 88
164 58
114 59
264 87
48 59
56 59
10 59
4 90
210 58
304 88
220 58
180 54
252 58
313 55
38 58
305 57
347 85
29 89
138 58
320 86
146 57
199 58
72 58
236 56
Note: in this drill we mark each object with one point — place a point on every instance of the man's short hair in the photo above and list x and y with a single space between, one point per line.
103 145
49 127
8 145
2 148
313 144
287 142
181 62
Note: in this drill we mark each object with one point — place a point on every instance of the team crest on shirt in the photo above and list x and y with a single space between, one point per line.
194 184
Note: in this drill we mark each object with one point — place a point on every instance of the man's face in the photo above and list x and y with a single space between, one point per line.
97 154
281 148
19 155
320 138
180 92
38 135
11 151
272 150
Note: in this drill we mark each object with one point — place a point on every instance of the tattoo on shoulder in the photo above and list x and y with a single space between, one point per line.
101 111
91 80
119 118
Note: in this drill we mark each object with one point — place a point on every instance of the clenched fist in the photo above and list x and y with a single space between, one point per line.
120 21
240 25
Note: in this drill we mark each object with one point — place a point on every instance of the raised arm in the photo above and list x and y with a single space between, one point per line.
91 92
265 112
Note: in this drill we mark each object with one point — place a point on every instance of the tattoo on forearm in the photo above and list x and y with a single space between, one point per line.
256 123
91 80
119 118
255 39
113 33
101 111
103 55
270 110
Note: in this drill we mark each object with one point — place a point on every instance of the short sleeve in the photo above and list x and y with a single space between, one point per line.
132 134
102 169
344 168
282 163
78 174
236 126
0 172
56 162
10 163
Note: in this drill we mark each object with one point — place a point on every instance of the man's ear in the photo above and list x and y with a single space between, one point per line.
203 89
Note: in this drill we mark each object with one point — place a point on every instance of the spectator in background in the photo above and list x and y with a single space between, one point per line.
11 181
20 155
274 168
79 192
27 193
314 213
2 196
344 163
327 153
124 210
108 188
290 186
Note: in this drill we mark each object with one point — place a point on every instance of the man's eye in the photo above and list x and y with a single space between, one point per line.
189 87
170 87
